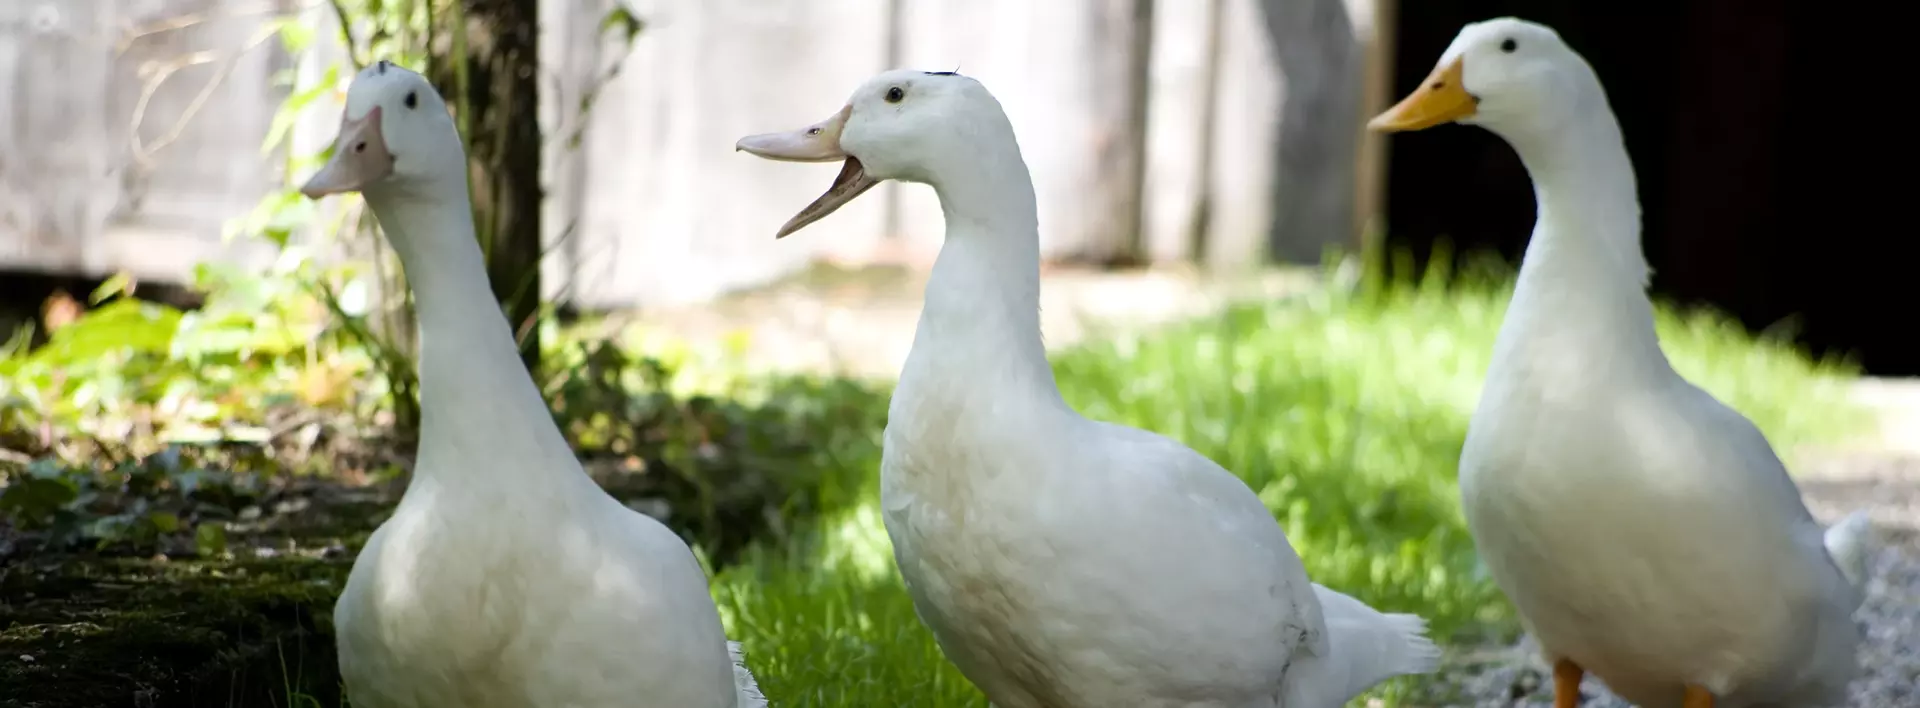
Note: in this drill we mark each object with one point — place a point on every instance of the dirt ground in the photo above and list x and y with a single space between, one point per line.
860 322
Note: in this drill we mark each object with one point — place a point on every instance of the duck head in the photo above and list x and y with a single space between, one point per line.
907 125
395 133
1507 75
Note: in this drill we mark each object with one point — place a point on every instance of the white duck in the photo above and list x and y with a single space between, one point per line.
1646 533
1063 562
505 577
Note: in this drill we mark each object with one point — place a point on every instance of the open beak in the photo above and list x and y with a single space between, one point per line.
1442 98
819 142
360 158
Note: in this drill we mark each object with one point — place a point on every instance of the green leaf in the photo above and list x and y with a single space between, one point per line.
45 468
17 344
164 521
115 285
295 35
210 539
107 529
620 19
124 325
291 109
34 500
189 481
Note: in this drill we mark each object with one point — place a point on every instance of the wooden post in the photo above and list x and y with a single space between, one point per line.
1200 232
1320 123
1123 46
1369 210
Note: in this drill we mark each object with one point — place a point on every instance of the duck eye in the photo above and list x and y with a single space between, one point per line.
1509 45
413 99
894 95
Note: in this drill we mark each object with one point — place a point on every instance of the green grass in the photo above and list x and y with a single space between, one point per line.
1345 410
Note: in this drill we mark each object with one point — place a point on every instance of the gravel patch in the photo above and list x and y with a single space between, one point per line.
1886 485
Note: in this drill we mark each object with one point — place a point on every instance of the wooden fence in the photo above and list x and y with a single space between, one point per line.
103 167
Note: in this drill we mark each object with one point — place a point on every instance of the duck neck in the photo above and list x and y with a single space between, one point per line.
979 331
480 412
1581 295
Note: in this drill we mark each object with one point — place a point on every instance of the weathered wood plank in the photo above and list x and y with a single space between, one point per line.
646 202
671 213
88 172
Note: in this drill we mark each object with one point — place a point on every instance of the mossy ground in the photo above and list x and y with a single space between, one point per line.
250 628
92 631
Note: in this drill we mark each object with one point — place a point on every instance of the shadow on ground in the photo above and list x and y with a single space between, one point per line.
252 628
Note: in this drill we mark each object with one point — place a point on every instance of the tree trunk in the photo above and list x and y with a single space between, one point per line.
497 111
1319 137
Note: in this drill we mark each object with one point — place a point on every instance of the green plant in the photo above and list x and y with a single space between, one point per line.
125 401
133 370
159 502
372 305
742 461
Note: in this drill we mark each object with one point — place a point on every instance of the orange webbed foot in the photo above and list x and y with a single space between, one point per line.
1696 697
1566 684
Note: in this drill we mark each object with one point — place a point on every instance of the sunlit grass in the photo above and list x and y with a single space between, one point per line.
1344 409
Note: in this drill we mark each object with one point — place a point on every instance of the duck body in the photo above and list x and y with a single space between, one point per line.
1062 562
505 578
1641 535
1153 579
1645 532
1057 579
457 601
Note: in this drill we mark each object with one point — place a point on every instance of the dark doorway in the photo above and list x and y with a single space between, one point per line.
1745 176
